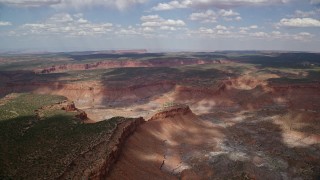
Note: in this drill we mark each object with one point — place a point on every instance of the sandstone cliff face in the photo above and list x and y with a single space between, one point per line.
229 91
171 112
175 144
164 146
115 146
92 93
97 162
126 63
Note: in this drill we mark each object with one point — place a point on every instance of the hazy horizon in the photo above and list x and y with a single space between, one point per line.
105 51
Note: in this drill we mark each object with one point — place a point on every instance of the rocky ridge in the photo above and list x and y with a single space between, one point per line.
103 155
171 112
125 63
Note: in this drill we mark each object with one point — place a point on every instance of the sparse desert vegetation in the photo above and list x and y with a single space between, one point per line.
43 148
254 113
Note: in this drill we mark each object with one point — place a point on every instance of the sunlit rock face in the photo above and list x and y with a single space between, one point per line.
176 144
258 119
166 145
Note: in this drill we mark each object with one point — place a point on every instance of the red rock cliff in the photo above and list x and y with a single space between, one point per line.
96 162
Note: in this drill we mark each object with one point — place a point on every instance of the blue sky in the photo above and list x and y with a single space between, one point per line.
159 25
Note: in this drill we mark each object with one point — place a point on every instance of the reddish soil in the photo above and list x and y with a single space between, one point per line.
126 63
239 128
176 144
132 99
165 146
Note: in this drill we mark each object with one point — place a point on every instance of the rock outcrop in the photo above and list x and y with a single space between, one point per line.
66 105
87 94
97 162
127 63
165 146
171 112
69 107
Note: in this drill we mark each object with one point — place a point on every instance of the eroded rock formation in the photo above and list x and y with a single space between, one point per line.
164 146
66 105
96 162
127 63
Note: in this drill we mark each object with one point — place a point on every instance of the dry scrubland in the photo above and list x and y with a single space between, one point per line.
256 114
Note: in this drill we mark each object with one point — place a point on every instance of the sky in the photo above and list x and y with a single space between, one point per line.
159 25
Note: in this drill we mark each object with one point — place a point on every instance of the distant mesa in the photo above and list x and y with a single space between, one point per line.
133 51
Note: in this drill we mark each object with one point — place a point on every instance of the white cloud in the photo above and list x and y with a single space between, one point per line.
227 13
157 21
260 34
78 15
303 36
253 27
276 33
210 16
204 17
244 30
299 22
81 20
178 4
168 22
315 1
65 25
218 31
151 18
220 27
172 5
61 18
30 3
119 4
171 22
203 30
148 29
147 32
168 28
304 14
238 18
246 33
152 26
129 31
5 23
